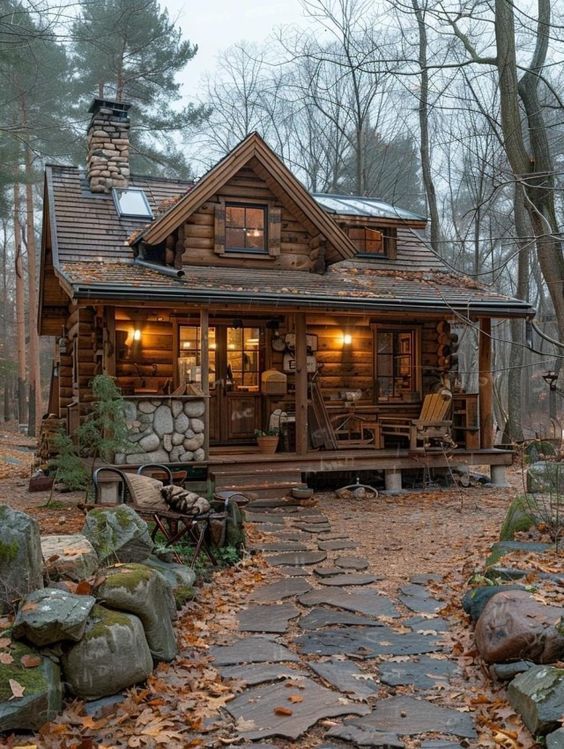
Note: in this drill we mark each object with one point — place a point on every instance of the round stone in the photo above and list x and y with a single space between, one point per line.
197 425
194 408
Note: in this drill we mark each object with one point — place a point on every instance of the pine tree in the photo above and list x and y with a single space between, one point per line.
130 50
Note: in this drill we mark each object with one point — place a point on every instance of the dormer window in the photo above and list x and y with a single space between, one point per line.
374 242
246 228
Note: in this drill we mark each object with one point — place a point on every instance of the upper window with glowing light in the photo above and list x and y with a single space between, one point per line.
245 228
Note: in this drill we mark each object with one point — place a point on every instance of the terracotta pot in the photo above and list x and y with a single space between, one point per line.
268 445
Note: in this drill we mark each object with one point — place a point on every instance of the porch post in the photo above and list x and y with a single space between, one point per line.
485 380
204 375
301 384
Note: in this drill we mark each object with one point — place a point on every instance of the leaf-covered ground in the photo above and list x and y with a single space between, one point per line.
433 531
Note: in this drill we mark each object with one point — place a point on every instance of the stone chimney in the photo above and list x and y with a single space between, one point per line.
107 161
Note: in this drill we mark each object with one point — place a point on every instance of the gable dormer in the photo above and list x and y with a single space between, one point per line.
249 210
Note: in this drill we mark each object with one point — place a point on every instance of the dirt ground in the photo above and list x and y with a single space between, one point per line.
428 531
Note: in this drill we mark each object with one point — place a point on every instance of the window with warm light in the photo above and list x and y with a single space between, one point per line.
189 354
372 242
245 228
397 376
243 363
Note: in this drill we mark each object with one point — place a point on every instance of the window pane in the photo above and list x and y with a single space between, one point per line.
235 238
385 366
385 343
235 217
188 336
251 336
234 339
255 239
255 218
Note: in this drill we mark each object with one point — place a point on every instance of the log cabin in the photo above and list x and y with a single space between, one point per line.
240 302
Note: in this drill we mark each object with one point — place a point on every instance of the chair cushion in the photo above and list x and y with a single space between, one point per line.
145 491
184 501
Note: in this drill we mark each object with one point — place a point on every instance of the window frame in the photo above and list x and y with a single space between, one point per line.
413 395
389 240
147 216
248 250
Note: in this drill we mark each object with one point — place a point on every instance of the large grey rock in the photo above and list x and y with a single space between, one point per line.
43 693
545 478
514 626
555 740
146 407
194 408
538 696
150 442
176 453
20 557
162 421
179 578
118 534
129 410
181 424
112 655
193 443
518 518
51 615
176 408
167 442
474 601
71 556
142 591
199 454
177 439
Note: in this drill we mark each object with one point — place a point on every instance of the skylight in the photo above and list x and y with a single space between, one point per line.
132 202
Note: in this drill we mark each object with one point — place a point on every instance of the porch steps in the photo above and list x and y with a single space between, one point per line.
259 481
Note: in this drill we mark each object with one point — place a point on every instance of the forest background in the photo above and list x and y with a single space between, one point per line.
453 110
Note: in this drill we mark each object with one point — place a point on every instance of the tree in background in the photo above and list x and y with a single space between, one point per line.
130 50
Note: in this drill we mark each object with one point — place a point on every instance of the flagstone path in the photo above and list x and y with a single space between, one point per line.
315 647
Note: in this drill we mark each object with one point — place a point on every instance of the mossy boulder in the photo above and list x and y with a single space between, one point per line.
51 615
501 548
69 556
112 655
538 696
20 557
475 600
42 691
179 578
142 591
518 518
545 478
118 534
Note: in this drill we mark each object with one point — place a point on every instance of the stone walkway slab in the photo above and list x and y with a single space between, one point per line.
263 517
366 642
252 674
323 617
285 588
270 546
423 673
251 650
341 581
297 558
406 716
309 528
273 618
422 624
337 545
361 602
294 571
352 563
328 571
346 677
260 708
418 599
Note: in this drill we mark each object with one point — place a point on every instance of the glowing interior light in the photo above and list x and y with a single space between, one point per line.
186 344
347 339
136 334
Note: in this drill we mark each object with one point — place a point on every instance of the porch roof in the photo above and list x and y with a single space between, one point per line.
345 286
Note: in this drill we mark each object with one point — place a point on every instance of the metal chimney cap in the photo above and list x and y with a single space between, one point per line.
118 106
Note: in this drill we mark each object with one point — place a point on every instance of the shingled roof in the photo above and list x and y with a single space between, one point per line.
94 260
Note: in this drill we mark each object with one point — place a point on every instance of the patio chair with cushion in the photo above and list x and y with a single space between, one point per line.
180 515
431 428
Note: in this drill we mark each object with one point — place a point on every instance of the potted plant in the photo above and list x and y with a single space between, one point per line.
267 440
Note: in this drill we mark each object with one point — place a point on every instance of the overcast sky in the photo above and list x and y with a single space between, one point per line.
216 24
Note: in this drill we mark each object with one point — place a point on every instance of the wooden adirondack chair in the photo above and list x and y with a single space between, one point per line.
431 427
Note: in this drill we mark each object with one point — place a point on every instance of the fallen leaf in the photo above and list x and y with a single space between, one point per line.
6 658
17 689
295 698
31 661
5 642
84 588
283 711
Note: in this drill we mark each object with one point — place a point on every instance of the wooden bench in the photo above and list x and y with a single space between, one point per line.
430 427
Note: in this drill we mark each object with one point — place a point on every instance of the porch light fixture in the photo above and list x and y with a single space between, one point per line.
347 339
136 334
550 378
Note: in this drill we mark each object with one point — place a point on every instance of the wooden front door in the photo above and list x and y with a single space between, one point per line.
235 370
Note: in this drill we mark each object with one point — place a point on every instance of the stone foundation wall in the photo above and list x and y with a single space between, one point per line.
164 430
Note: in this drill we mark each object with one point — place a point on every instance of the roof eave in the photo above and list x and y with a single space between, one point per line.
114 292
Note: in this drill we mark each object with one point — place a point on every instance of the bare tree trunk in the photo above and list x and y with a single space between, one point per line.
424 146
513 431
20 308
534 169
35 401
